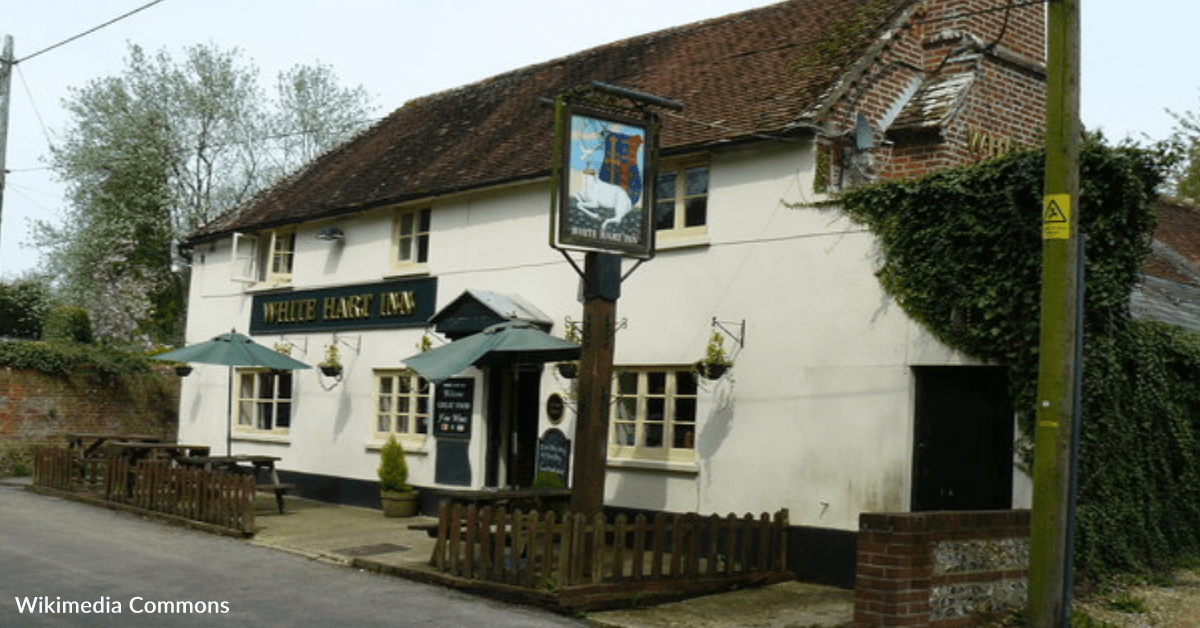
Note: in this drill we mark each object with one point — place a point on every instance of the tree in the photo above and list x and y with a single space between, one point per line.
1183 177
162 149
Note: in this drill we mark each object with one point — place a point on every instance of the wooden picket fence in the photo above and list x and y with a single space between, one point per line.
541 550
221 499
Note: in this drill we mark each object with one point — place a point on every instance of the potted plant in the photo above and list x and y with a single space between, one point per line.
331 366
398 497
715 361
183 369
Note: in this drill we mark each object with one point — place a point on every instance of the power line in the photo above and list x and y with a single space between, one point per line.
88 32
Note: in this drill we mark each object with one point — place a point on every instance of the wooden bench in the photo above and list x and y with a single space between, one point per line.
279 490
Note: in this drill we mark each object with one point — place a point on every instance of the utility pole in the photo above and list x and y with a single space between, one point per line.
1050 553
6 68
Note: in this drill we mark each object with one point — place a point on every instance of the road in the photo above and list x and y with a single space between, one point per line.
58 555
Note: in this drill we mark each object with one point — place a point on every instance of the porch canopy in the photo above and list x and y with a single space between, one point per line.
516 341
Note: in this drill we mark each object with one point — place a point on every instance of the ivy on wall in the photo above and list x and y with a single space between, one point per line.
64 358
960 252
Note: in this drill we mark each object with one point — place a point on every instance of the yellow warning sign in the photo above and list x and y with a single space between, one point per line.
1056 217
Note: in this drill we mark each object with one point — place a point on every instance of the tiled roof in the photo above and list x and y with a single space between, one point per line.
1170 288
738 76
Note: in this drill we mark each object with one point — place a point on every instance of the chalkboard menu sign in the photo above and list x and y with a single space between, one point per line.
554 454
453 405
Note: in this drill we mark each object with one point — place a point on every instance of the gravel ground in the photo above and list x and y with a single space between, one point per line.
1172 606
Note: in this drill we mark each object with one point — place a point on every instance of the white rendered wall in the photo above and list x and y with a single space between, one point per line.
816 415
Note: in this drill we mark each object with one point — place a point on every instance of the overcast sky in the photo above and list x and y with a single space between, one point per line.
1139 58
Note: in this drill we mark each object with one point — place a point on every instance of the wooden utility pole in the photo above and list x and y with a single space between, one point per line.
1049 555
6 69
601 288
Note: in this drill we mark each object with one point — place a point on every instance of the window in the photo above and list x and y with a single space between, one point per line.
654 415
411 239
264 258
401 406
264 401
681 203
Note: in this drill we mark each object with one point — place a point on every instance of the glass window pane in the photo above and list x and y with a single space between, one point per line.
685 383
403 405
695 212
424 226
246 387
423 249
656 383
684 437
385 385
654 435
664 215
685 410
626 409
405 253
627 383
385 404
405 385
695 181
656 409
665 186
264 415
623 434
402 424
283 414
265 388
383 423
422 425
406 224
422 405
246 413
285 385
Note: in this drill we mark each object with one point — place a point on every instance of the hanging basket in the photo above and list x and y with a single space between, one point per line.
183 370
569 370
711 370
330 370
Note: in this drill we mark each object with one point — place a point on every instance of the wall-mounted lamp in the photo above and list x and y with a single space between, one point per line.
330 234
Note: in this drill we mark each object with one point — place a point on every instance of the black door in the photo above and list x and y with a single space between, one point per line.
512 424
964 439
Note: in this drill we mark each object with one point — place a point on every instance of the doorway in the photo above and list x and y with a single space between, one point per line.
963 445
514 391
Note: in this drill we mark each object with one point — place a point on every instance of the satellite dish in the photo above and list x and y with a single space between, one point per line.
864 138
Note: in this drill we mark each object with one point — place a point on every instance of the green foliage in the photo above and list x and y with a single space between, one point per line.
167 145
1080 619
68 323
393 470
22 308
1128 603
64 358
714 352
961 254
547 479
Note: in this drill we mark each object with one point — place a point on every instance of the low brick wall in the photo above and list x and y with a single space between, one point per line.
36 409
940 569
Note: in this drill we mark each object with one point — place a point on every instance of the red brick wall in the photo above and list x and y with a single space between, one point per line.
939 568
36 409
1004 109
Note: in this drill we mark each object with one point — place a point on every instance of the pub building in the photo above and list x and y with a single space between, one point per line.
434 227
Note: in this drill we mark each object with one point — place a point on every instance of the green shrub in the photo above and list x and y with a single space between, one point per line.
68 323
393 470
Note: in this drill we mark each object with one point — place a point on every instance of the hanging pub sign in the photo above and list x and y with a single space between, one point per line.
604 183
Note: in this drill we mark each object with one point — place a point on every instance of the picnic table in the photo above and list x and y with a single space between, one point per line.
260 468
95 440
135 451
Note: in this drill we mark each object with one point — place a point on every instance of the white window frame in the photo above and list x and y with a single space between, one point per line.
253 407
631 410
679 231
417 239
255 257
407 404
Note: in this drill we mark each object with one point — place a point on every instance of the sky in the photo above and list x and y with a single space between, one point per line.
1138 59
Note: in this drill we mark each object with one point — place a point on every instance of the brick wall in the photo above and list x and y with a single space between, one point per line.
1000 49
940 569
37 409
